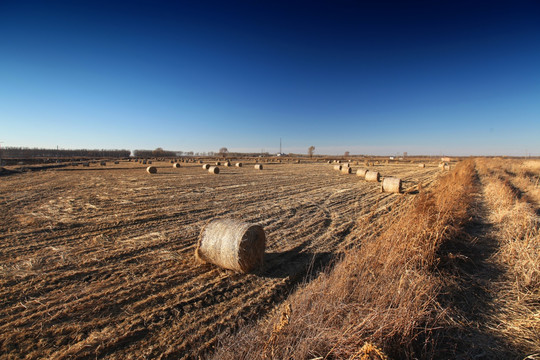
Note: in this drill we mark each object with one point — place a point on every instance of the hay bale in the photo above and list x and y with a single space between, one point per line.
232 244
144 162
206 166
346 170
372 176
103 163
213 170
151 169
328 162
337 167
361 172
86 164
218 163
227 163
200 161
176 165
238 164
149 162
346 165
258 167
391 184
422 165
446 167
117 162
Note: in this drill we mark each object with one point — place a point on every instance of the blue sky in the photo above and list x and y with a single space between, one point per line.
426 77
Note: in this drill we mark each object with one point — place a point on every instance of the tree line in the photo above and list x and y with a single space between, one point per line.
31 153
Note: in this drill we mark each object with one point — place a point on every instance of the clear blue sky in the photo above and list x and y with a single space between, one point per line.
377 77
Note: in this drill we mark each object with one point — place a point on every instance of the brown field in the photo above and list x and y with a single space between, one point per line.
98 262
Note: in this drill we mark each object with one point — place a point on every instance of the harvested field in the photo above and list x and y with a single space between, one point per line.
99 261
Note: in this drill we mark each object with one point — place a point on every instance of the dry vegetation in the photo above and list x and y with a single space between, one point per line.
98 262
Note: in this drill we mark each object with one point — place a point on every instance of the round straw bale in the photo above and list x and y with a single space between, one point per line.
361 172
372 176
144 162
232 244
86 164
346 165
206 166
176 165
227 163
218 163
422 165
258 166
337 167
103 163
446 167
213 170
391 184
238 164
346 170
151 169
328 162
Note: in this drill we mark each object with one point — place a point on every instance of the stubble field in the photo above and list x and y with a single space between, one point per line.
98 262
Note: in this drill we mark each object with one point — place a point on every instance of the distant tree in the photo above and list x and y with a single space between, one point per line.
158 152
347 153
223 151
311 150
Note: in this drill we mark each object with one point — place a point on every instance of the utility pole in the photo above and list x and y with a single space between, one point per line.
1 142
279 146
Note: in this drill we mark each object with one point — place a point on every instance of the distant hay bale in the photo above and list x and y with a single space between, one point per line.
151 169
213 170
442 164
258 167
200 161
422 165
232 244
391 184
227 163
218 163
149 162
103 163
361 172
176 165
238 164
86 164
346 170
144 162
346 165
298 161
328 162
206 166
337 167
117 162
372 176
446 167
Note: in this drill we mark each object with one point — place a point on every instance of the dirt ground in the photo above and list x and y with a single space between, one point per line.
98 262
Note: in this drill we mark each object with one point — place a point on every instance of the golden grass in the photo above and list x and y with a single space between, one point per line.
383 293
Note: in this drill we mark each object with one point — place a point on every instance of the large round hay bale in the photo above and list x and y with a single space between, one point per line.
391 184
151 169
258 167
361 172
227 163
346 165
337 167
206 166
213 170
176 165
238 164
232 244
422 165
346 170
372 176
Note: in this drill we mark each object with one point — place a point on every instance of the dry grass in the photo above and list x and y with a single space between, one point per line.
517 228
383 293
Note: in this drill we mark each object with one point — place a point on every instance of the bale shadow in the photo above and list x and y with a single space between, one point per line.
295 264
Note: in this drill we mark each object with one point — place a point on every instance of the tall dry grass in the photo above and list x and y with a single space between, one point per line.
517 228
380 299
